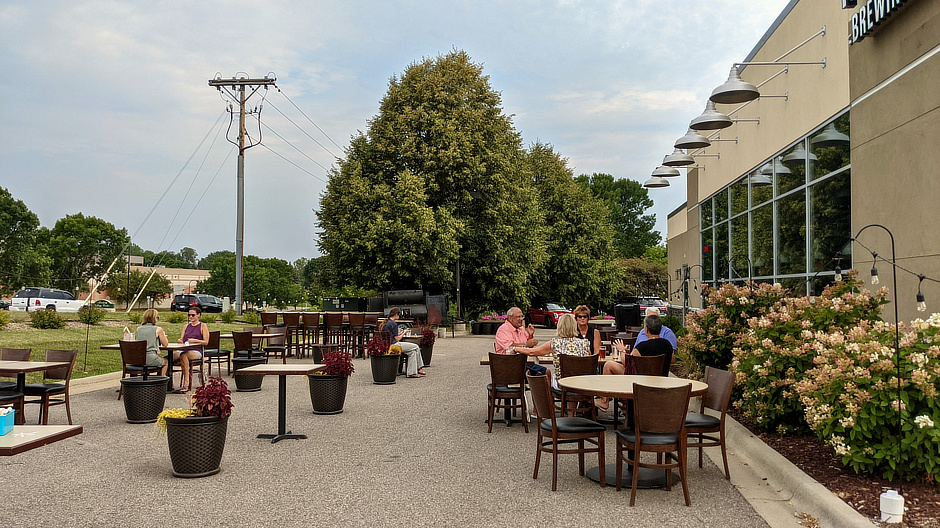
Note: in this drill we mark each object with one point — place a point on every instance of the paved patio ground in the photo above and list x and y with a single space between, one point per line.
415 453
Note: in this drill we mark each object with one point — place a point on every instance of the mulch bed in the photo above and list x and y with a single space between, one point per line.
862 492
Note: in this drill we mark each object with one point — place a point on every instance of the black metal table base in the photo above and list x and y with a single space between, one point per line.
649 478
275 438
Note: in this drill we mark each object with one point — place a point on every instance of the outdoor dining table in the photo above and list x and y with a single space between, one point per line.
20 368
169 348
281 371
621 386
26 437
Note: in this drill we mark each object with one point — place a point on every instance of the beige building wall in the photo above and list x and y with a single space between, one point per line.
895 89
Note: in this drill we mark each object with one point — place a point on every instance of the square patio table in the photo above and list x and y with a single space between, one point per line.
281 371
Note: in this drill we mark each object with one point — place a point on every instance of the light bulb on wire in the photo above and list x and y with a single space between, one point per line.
921 304
838 274
874 275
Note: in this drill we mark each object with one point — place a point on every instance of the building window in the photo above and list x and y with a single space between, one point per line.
786 219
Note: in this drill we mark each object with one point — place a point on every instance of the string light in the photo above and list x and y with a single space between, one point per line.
838 273
921 304
874 275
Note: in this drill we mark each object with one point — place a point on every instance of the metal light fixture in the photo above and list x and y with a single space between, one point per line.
678 159
735 90
775 168
656 182
692 140
760 180
921 301
830 137
711 119
799 155
665 172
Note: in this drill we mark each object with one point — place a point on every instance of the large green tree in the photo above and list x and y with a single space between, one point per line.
82 248
265 281
580 241
23 259
627 201
439 176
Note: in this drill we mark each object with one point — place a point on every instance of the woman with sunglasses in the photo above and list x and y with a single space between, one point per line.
582 314
195 336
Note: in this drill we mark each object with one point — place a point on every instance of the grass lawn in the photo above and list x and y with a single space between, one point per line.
89 338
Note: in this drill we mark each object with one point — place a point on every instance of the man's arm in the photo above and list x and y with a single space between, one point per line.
670 336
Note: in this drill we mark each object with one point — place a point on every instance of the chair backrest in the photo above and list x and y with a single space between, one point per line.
255 341
648 365
507 369
634 329
15 354
334 319
268 318
280 338
357 320
572 365
720 382
291 318
132 352
665 408
242 340
311 318
541 390
68 356
372 318
214 340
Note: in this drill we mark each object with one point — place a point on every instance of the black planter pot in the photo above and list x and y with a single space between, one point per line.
247 383
327 393
385 369
196 444
426 353
476 328
144 399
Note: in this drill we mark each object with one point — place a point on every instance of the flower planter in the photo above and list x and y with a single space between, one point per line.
196 444
385 369
327 393
144 398
247 383
476 328
426 353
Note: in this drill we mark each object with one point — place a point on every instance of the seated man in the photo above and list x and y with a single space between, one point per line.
512 334
666 333
655 345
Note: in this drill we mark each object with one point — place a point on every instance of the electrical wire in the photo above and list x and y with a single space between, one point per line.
305 132
302 153
278 154
308 119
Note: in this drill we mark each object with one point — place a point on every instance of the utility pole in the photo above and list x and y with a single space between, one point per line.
235 88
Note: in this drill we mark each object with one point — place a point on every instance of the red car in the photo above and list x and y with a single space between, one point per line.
546 314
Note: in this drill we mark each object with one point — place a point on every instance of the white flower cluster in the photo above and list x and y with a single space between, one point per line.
838 444
923 421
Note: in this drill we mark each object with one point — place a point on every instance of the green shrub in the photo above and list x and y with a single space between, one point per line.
176 317
90 314
228 317
674 324
4 318
252 318
136 317
851 398
46 320
207 318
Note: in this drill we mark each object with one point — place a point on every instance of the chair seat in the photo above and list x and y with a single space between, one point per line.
8 396
503 388
573 424
701 421
7 385
140 368
246 353
216 353
276 349
38 389
649 438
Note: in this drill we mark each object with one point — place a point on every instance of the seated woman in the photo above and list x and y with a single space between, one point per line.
155 338
415 368
582 314
195 336
653 346
565 342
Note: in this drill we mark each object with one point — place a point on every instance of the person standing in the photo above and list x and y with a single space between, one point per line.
512 334
195 336
415 367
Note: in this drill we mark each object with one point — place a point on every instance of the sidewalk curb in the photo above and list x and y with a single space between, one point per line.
748 453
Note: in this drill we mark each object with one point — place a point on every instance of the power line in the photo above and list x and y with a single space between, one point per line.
302 153
308 119
278 154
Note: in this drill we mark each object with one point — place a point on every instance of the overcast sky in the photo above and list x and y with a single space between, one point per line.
103 103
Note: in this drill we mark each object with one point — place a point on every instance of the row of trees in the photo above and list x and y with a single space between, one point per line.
441 179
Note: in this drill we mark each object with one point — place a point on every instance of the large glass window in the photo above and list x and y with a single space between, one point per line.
721 206
740 263
791 234
831 208
787 178
706 213
739 197
762 240
721 251
830 148
708 250
762 188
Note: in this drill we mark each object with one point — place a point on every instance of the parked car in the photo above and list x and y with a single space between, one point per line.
546 314
646 302
207 303
45 299
4 304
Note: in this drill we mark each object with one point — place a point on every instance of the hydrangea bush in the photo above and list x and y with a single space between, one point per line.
779 347
851 398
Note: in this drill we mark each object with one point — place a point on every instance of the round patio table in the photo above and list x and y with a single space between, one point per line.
614 386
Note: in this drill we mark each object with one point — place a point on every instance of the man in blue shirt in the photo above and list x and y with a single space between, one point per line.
665 333
415 361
